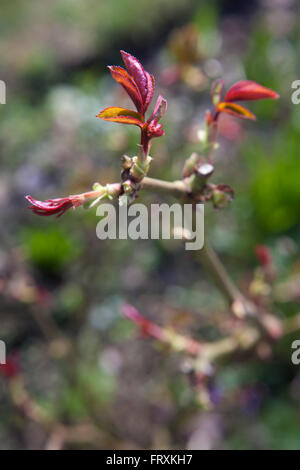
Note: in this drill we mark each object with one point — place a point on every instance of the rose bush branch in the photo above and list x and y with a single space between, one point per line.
195 185
140 85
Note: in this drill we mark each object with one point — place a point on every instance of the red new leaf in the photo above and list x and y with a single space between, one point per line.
235 110
139 84
122 115
150 90
143 80
122 77
53 206
159 110
137 71
247 90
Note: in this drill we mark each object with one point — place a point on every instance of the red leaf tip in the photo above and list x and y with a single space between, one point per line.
53 206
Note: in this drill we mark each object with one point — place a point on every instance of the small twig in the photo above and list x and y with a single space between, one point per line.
176 188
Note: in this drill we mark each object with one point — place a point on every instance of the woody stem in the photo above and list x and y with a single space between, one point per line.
175 188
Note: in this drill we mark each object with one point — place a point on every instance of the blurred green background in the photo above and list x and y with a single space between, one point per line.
99 384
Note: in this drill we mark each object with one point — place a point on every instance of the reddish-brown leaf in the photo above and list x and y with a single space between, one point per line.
137 72
247 90
159 110
235 110
122 77
121 115
150 89
53 206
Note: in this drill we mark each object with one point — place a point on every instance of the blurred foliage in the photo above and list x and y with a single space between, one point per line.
50 251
